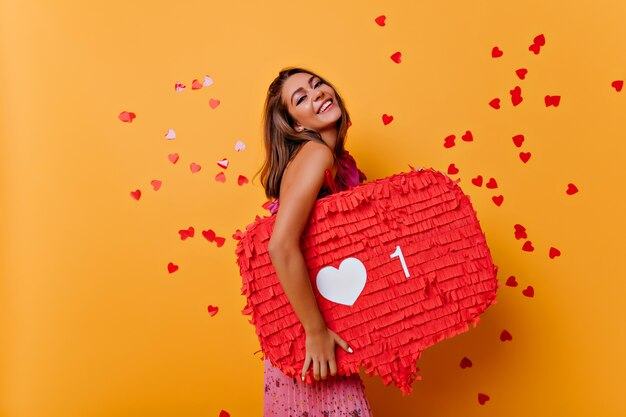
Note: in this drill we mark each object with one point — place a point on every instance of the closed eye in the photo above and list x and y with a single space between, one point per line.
318 83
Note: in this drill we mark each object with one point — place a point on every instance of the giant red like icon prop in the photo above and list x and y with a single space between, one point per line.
396 265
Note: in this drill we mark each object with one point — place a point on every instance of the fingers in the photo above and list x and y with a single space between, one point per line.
343 343
316 370
333 367
307 363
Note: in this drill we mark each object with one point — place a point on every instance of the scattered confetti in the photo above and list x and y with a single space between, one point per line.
554 252
448 142
520 232
571 189
495 103
240 146
491 183
193 167
452 169
126 116
156 184
482 398
516 95
617 85
387 118
505 336
214 103
497 199
468 137
241 180
465 363
170 134
528 246
208 81
171 267
238 235
478 181
397 57
538 42
552 101
173 157
380 20
179 87
136 194
524 156
521 73
518 140
223 163
529 291
511 281
213 311
184 234
196 85
496 52
220 177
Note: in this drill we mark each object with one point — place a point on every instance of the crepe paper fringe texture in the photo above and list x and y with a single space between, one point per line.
452 275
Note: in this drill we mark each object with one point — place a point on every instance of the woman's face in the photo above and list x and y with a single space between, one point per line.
310 102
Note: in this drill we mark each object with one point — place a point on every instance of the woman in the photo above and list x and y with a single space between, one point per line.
305 125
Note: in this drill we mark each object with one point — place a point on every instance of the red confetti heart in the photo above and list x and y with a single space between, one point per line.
364 225
524 156
552 101
554 252
539 40
505 336
387 119
209 235
179 87
238 235
495 103
380 20
214 103
224 414
518 140
212 310
172 267
529 291
452 169
173 157
156 184
184 234
528 246
521 73
396 57
478 181
136 194
571 189
194 167
196 85
516 95
448 142
492 183
241 180
496 52
467 137
482 398
223 163
497 199
126 116
220 177
511 281
220 241
466 363
617 85
520 232
534 48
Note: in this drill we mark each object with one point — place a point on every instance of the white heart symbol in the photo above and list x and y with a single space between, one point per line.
343 285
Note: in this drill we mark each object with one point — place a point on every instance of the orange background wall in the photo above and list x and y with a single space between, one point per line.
93 324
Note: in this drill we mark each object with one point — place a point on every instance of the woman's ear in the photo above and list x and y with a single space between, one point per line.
298 126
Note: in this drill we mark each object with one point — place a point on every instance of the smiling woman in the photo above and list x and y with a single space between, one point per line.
305 125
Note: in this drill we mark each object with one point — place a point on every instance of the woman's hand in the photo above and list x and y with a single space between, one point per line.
320 350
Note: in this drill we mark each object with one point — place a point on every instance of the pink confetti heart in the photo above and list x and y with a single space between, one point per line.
387 118
518 140
173 157
505 336
520 232
179 87
617 85
397 57
465 363
491 183
126 116
196 85
521 73
495 103
448 142
571 189
554 252
212 310
184 234
209 235
524 156
208 81
482 398
171 267
478 181
468 137
136 194
223 163
496 52
380 20
220 177
241 180
214 103
193 167
511 281
452 169
497 199
529 291
528 246
156 184
240 146
552 100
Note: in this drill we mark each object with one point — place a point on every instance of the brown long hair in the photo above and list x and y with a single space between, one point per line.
282 142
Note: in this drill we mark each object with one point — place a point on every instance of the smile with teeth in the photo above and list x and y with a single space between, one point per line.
326 105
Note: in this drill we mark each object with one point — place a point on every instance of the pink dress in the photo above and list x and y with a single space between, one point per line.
337 396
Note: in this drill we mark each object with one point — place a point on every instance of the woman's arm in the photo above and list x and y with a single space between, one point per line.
300 186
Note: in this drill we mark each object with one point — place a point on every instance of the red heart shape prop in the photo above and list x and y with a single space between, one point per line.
404 261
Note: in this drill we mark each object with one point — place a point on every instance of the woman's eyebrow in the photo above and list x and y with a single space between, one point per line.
300 88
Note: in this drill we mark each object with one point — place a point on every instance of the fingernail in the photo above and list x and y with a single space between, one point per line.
302 378
350 349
